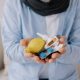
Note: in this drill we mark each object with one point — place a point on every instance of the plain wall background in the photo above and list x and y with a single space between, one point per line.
1 49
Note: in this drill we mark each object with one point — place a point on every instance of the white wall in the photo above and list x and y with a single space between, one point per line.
1 49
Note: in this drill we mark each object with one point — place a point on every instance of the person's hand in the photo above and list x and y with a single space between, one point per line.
34 58
56 55
25 42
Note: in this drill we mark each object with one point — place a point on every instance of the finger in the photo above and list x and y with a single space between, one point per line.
55 55
25 42
38 60
28 55
42 61
51 60
62 39
47 60
62 50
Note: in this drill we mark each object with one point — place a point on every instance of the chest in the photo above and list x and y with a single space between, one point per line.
54 25
36 23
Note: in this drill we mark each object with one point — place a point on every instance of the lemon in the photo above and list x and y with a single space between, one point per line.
36 45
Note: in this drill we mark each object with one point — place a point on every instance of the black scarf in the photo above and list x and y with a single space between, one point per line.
47 8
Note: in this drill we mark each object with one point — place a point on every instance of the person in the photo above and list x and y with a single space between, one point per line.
22 19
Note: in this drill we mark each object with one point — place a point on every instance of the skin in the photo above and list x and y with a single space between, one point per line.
54 57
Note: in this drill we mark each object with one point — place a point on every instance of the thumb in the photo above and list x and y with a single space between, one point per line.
25 42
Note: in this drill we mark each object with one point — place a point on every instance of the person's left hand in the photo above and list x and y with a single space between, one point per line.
56 55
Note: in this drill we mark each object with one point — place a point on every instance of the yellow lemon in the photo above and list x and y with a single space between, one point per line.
36 45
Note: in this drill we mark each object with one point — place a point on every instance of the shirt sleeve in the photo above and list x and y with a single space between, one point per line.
72 54
11 32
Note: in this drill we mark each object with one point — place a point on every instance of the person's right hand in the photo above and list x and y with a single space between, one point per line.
34 57
25 42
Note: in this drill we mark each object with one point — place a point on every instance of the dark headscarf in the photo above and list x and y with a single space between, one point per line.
47 8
